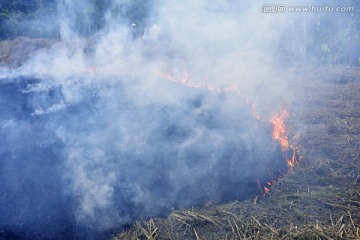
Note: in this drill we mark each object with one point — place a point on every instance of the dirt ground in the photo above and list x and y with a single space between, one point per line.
318 199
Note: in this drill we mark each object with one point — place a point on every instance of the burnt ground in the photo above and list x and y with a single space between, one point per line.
318 199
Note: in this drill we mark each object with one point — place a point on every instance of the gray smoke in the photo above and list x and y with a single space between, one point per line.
83 154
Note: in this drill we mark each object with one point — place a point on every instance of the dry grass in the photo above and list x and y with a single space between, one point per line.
319 199
4 50
15 52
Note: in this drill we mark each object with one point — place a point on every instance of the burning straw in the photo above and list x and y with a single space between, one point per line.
319 199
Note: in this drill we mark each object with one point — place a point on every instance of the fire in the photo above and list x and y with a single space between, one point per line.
280 134
186 80
279 129
91 70
266 189
295 157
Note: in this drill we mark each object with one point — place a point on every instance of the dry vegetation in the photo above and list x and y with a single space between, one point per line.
15 52
318 199
4 50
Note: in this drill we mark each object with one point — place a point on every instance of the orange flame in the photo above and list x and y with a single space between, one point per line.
185 80
91 70
279 129
294 158
279 132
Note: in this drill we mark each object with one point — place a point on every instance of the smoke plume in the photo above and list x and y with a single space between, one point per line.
97 133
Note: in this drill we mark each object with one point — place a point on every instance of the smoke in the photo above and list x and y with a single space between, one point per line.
84 153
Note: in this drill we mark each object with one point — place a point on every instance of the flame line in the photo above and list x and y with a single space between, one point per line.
279 130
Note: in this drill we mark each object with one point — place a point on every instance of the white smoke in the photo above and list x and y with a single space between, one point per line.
130 144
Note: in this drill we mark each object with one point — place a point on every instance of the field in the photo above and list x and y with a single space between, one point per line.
318 199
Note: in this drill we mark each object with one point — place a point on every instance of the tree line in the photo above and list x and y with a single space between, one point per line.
327 38
40 18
